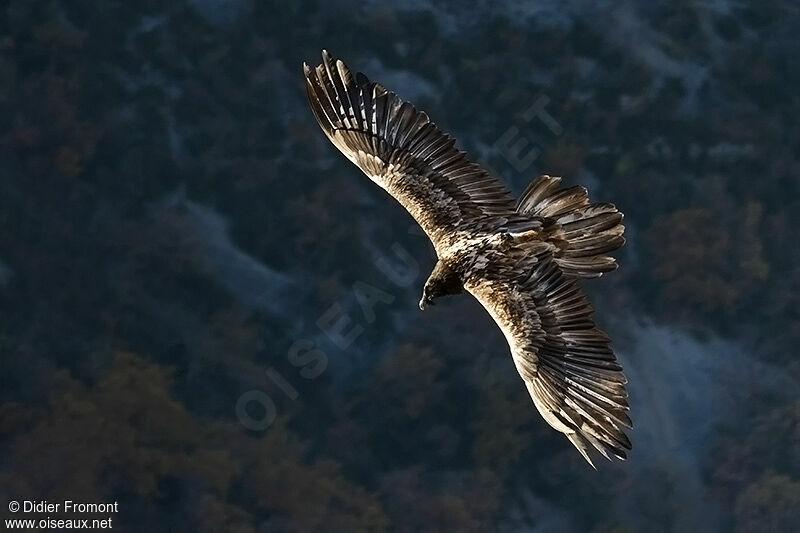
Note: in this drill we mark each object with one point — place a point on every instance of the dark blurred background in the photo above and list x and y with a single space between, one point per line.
210 316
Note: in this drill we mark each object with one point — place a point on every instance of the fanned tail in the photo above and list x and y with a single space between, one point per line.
591 230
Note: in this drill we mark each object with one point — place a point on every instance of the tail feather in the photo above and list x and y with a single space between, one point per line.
590 230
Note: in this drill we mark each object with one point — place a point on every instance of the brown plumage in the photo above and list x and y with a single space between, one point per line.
521 260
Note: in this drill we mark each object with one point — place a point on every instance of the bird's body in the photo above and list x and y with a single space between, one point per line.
521 260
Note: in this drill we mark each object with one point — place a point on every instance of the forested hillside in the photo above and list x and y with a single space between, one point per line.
176 233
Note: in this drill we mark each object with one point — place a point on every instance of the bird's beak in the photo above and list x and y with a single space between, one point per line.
425 302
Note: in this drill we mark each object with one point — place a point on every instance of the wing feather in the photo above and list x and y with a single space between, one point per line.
400 149
566 361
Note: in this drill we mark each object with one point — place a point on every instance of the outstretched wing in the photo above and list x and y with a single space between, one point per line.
401 150
566 362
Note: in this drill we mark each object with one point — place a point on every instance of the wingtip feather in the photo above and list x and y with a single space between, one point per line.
579 442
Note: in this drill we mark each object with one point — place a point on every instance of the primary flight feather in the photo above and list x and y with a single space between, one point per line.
521 260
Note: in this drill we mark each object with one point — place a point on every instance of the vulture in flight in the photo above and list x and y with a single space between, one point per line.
522 260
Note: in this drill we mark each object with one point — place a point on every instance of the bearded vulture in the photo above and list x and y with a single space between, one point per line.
521 260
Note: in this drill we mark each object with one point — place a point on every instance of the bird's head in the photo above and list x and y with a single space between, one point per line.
429 294
442 281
